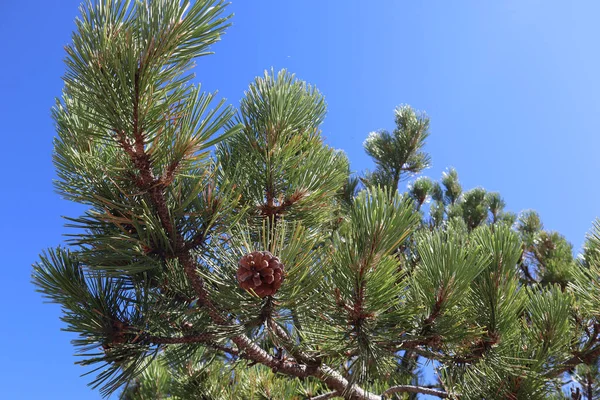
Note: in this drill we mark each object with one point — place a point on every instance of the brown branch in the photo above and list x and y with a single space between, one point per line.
578 358
197 240
169 175
436 311
137 132
225 349
411 356
290 346
333 379
270 209
325 396
478 348
527 274
414 389
251 351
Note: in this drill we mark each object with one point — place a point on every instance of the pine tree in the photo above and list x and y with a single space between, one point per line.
231 254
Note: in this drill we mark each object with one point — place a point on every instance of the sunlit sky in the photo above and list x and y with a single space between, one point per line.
510 87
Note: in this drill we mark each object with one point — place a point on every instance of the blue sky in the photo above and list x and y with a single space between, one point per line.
511 88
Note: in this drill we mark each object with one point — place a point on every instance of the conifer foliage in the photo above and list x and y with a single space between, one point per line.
231 254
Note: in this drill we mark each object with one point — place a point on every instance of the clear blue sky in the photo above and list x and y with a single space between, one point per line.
511 88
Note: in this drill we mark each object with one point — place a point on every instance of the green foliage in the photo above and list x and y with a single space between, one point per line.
398 154
452 187
441 281
496 204
555 255
362 283
278 158
497 297
587 278
101 311
474 207
377 285
420 190
529 224
210 378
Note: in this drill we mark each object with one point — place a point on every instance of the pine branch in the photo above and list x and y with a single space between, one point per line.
198 240
333 379
414 389
289 345
129 108
325 396
250 349
246 346
576 359
588 355
527 274
270 209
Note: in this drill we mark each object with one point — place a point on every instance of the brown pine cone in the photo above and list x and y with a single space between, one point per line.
261 272
117 334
